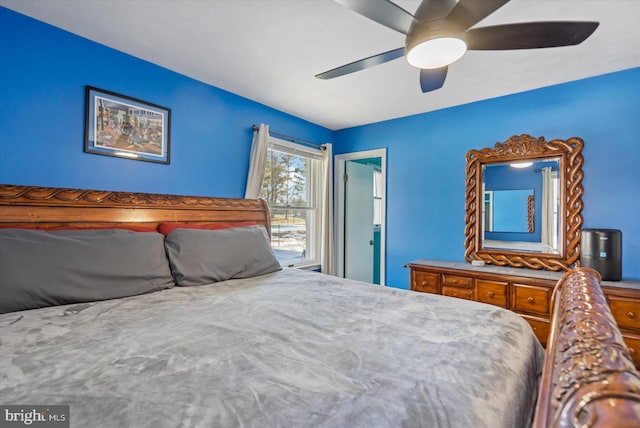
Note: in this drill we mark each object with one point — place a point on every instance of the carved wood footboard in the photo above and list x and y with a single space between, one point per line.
589 379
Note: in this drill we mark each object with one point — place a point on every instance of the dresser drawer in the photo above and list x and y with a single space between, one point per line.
457 281
531 299
625 311
493 292
633 343
459 292
541 328
426 282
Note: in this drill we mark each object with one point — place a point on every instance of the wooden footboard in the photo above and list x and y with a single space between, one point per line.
589 379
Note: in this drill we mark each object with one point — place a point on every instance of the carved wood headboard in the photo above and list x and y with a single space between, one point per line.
589 379
48 206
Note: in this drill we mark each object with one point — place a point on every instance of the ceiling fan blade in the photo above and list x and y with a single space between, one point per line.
432 79
434 9
529 35
467 13
362 64
383 12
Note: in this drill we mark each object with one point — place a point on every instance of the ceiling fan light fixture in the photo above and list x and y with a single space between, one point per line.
521 165
436 52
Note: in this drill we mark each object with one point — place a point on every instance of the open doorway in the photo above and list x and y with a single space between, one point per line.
360 183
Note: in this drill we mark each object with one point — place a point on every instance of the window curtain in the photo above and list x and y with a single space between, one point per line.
547 231
257 161
327 257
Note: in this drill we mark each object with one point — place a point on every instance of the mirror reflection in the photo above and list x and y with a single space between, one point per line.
508 210
521 206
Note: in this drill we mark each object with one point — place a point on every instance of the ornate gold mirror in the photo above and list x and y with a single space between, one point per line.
524 203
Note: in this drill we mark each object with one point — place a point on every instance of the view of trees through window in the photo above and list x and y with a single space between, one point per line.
286 187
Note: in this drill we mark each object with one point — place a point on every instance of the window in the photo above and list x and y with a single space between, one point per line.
292 188
377 198
555 189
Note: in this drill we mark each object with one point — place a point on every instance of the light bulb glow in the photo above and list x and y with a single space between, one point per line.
521 165
436 53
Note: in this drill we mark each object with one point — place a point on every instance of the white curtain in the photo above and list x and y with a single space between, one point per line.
547 231
257 161
327 257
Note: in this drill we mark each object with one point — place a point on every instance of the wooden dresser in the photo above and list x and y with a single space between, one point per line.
524 291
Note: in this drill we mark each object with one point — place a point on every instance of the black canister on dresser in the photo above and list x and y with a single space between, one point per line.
601 249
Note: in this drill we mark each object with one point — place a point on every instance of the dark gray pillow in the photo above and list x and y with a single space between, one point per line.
39 268
200 257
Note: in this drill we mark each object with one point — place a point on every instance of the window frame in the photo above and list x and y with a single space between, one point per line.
314 199
377 198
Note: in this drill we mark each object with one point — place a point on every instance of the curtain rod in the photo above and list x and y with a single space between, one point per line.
292 139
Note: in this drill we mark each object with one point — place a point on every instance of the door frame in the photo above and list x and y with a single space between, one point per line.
339 206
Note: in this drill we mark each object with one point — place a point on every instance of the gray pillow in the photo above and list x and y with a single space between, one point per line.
39 268
200 257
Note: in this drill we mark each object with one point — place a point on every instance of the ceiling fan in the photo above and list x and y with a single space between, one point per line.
440 33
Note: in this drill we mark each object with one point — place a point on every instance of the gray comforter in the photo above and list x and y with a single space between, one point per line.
288 349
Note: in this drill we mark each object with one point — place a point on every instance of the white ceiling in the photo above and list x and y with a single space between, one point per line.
270 50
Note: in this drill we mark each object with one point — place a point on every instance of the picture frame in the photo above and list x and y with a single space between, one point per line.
126 127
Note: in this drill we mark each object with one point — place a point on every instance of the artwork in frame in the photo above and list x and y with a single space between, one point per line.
121 126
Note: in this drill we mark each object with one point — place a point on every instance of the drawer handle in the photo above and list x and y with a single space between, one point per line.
631 315
455 294
632 351
425 283
455 281
531 300
490 293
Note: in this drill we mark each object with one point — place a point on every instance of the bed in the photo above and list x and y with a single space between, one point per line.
258 345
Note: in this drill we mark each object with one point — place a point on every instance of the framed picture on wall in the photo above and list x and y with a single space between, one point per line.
121 126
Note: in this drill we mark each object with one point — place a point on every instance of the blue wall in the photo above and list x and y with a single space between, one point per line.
43 73
503 177
426 162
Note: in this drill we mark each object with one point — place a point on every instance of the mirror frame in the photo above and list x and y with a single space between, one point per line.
519 148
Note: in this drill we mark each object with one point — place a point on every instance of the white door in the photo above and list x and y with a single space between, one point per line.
378 159
358 223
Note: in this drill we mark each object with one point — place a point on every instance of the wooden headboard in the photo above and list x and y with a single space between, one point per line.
589 379
49 206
